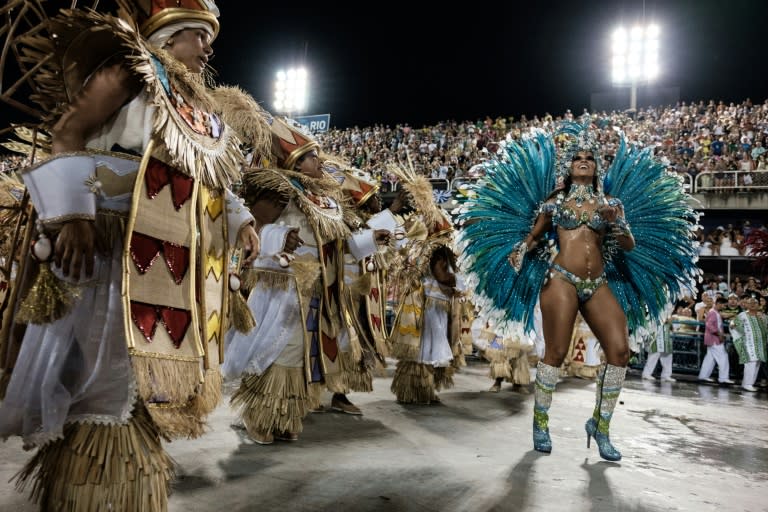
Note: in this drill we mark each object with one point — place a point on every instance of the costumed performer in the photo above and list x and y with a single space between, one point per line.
120 349
295 288
533 194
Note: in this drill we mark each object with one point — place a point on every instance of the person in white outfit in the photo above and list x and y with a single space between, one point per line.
660 349
750 334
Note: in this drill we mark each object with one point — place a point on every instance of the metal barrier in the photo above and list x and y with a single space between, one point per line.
688 349
741 181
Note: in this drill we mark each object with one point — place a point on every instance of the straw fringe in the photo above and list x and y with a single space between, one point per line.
444 377
176 381
240 111
521 373
405 351
97 467
276 400
500 369
337 382
358 378
169 388
413 382
209 396
240 313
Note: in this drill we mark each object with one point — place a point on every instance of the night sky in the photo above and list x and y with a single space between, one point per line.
420 62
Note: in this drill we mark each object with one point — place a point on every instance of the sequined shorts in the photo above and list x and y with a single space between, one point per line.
585 288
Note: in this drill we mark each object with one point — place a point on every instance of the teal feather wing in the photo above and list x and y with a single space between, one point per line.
501 214
662 266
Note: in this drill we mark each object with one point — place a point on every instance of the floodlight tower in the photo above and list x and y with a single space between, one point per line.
291 91
635 57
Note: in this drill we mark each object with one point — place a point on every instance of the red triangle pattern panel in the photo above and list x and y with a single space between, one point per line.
158 175
176 323
580 348
330 347
176 259
144 251
145 318
181 186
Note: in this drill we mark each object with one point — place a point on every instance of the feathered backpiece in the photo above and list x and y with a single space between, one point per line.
499 215
662 267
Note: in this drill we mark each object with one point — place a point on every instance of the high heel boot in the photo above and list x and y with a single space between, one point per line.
609 384
546 379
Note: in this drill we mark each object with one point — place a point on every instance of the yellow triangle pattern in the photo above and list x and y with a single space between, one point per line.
213 326
214 265
214 206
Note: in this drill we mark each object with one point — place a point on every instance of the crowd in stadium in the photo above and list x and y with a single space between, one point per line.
716 147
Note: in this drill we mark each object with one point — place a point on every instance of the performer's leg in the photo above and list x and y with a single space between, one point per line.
558 310
650 365
666 367
723 364
707 365
605 317
750 374
546 380
609 383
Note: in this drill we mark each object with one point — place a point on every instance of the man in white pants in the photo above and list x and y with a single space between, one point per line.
714 339
660 349
750 332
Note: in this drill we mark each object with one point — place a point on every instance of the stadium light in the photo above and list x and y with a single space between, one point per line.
635 57
291 91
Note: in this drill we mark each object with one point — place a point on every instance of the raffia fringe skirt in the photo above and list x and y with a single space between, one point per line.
276 400
101 467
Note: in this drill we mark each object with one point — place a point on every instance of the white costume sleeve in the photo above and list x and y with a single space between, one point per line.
59 188
273 239
237 216
362 244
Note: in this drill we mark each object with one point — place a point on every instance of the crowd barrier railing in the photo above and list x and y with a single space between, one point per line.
720 181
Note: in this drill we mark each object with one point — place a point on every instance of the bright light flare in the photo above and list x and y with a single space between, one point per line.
291 90
635 54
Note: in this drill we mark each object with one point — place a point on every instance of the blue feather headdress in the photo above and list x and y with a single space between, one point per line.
581 138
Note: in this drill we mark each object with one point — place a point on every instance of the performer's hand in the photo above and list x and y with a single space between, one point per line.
609 213
382 236
74 247
292 241
250 242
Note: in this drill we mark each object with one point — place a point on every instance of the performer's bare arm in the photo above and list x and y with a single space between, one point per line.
105 92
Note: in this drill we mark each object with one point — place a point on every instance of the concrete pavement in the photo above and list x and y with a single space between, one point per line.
686 446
